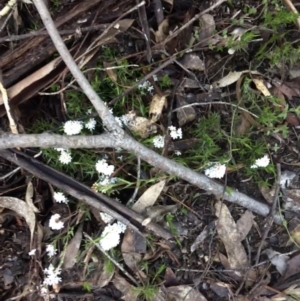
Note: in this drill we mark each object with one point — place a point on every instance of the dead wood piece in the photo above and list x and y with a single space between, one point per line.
36 50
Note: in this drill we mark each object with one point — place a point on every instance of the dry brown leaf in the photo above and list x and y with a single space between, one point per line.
193 62
277 259
125 288
293 267
184 292
245 223
184 115
158 212
72 249
231 78
156 106
149 197
21 208
163 31
231 238
110 72
29 196
261 86
140 125
206 31
133 242
105 276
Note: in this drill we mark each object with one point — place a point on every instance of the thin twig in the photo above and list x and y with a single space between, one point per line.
132 199
214 103
111 259
270 218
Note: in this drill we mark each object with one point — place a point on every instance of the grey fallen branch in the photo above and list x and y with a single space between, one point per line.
151 157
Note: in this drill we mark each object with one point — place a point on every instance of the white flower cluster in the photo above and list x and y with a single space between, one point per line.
52 275
110 236
175 133
146 85
90 124
59 197
65 156
159 141
104 168
32 252
55 223
262 162
215 170
51 251
73 127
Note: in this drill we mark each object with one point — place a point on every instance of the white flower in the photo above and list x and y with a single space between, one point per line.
52 275
59 197
110 236
103 168
32 252
59 149
155 78
91 124
73 127
177 153
146 85
65 157
51 251
262 162
106 218
215 170
159 141
175 133
44 290
89 112
55 223
150 89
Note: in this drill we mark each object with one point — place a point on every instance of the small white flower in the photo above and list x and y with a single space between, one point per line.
44 290
177 153
51 251
120 157
106 218
155 78
59 197
65 157
262 162
110 236
73 127
32 252
55 223
91 124
102 167
159 141
215 170
59 149
103 182
175 133
89 112
150 89
52 275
